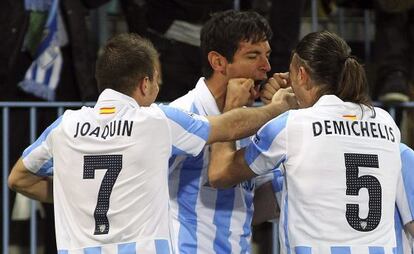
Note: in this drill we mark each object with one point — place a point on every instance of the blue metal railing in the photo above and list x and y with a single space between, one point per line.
33 107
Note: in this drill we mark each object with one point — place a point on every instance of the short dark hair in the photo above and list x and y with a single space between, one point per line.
125 59
225 30
327 58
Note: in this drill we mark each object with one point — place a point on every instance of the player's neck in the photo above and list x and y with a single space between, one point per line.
218 88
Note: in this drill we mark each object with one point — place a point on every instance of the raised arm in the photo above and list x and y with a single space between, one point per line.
25 182
267 151
243 122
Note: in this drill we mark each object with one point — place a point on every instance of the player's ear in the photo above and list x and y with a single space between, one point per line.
144 86
304 78
217 61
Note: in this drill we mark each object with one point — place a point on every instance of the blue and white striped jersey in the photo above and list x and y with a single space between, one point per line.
110 171
405 207
207 220
405 192
341 177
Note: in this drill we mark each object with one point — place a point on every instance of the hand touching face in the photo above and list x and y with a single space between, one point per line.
277 81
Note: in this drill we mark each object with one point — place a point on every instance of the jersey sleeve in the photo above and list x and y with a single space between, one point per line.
37 158
405 188
189 131
268 149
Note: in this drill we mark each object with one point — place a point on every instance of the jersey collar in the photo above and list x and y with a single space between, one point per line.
206 98
109 95
329 99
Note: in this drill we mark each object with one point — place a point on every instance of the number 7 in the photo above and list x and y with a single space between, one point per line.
113 165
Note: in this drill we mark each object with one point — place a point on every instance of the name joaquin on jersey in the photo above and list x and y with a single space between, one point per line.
114 128
353 128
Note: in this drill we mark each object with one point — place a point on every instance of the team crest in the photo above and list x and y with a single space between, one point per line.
102 228
363 224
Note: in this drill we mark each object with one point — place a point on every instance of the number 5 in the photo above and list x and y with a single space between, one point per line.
354 183
113 165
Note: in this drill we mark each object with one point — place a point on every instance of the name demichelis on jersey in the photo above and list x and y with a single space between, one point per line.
353 128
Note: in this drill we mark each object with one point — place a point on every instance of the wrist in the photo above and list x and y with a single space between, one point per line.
275 109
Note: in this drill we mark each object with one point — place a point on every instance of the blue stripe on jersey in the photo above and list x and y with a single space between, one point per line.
340 250
42 137
46 169
285 225
188 189
303 250
177 151
264 138
127 248
63 252
277 181
376 250
187 121
222 218
407 160
398 231
247 230
92 250
162 246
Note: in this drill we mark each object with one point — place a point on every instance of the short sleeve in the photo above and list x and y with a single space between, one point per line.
268 149
189 131
38 158
405 188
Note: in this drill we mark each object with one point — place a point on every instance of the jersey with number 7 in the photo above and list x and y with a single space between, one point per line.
110 172
341 163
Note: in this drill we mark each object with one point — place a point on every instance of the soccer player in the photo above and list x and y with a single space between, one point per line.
339 155
208 220
110 162
404 213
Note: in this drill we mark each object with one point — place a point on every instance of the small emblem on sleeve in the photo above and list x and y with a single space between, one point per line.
350 117
256 139
107 110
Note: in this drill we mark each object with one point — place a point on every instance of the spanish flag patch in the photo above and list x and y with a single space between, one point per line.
350 117
107 110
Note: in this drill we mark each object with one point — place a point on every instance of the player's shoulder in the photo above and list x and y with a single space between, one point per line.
76 114
184 102
383 115
277 124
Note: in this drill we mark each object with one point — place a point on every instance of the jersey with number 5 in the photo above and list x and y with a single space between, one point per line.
110 172
341 163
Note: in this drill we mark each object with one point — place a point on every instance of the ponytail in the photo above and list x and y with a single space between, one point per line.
327 59
353 84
